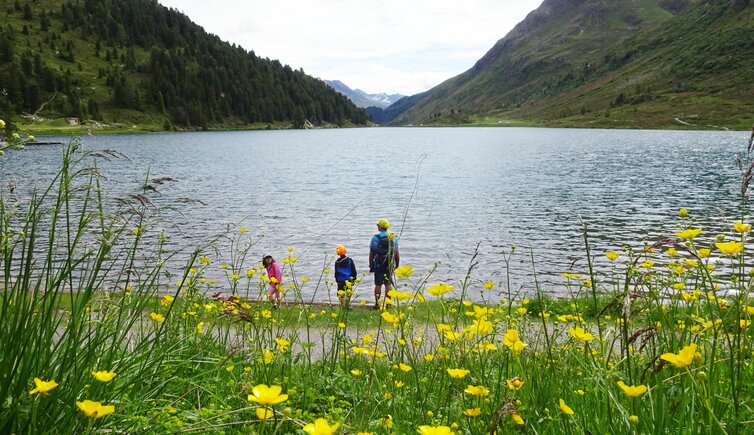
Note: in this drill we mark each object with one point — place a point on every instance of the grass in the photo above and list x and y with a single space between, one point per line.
661 343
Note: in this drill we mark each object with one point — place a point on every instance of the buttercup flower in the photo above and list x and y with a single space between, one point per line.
742 227
43 387
458 373
565 408
474 390
632 391
473 412
440 289
730 248
512 341
104 375
581 335
612 256
515 384
434 430
95 409
683 358
517 419
267 396
321 427
689 233
159 318
404 271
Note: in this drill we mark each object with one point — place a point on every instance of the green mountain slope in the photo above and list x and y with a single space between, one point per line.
137 62
623 63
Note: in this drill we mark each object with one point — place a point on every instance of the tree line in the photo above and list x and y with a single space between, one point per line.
150 59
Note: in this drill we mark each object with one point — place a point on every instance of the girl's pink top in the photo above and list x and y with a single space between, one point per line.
273 270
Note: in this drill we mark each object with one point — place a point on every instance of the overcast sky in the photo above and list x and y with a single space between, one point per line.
392 46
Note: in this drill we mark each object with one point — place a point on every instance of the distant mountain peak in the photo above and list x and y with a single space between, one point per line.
363 99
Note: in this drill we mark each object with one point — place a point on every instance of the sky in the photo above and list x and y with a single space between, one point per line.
391 46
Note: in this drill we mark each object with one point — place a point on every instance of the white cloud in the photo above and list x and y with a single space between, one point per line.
377 46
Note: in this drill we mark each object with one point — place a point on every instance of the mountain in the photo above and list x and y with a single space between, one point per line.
361 98
620 63
138 62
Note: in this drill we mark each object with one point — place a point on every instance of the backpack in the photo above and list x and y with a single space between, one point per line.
343 270
384 251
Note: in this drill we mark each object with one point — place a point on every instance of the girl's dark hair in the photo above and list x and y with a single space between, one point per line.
273 258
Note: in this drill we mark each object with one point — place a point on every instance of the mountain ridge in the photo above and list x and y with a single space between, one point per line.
363 99
563 65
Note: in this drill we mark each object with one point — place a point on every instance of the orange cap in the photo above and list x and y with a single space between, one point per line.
340 250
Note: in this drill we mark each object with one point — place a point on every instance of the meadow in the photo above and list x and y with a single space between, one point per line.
96 335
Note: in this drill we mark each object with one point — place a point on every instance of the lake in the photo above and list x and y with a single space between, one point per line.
445 190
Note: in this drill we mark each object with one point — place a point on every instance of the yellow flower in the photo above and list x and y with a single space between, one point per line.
744 323
512 341
356 372
689 233
515 384
404 271
321 427
730 248
521 310
632 391
405 368
387 421
264 413
647 264
282 344
567 275
458 373
95 409
267 356
565 408
612 256
473 412
200 328
43 387
672 252
104 376
517 419
166 300
474 390
267 396
390 318
742 227
489 284
440 289
434 430
581 335
634 419
704 252
683 358
159 318
401 296
749 310
683 212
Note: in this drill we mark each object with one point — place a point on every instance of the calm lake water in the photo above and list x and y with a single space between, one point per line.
444 189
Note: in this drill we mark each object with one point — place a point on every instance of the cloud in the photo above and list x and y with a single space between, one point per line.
417 43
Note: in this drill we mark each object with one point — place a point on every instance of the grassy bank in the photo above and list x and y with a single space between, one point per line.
660 343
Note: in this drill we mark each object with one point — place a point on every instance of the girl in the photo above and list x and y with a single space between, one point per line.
276 279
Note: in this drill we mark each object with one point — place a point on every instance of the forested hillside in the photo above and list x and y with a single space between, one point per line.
136 61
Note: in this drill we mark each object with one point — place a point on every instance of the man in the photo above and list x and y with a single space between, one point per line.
383 259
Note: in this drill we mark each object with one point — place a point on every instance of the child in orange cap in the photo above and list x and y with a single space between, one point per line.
345 274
